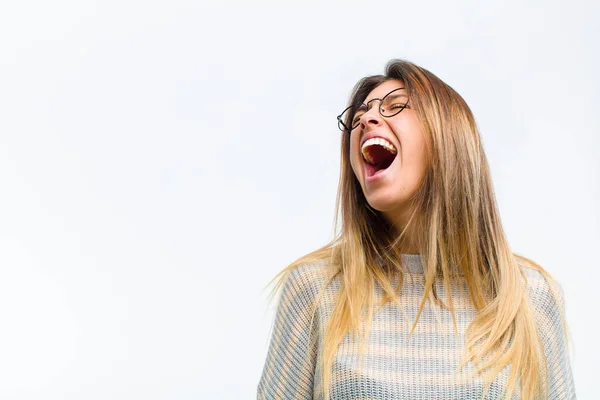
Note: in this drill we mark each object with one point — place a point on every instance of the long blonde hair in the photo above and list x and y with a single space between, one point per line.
459 233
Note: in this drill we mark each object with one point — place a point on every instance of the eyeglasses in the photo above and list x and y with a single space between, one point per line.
391 104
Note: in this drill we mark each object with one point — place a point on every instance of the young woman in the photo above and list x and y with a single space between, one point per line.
419 296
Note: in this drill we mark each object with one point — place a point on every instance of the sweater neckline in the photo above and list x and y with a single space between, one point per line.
412 263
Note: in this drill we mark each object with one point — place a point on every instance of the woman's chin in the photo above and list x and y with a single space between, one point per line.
383 202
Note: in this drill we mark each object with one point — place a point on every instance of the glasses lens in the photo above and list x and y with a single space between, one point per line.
350 118
342 121
393 103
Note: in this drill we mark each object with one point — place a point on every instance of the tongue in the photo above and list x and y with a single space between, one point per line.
381 157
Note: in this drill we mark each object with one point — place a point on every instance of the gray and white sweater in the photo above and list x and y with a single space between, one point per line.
393 368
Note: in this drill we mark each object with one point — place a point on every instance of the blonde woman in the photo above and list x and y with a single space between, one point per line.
419 295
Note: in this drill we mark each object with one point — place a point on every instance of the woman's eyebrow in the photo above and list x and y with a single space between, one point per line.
393 96
390 97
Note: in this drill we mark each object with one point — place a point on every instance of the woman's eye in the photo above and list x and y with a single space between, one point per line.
398 106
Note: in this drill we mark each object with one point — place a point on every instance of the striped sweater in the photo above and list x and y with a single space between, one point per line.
393 368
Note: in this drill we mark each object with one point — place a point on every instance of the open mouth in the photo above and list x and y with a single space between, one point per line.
378 154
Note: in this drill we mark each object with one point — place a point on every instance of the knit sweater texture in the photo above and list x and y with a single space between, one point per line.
422 367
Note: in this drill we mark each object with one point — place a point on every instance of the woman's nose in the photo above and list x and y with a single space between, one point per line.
371 117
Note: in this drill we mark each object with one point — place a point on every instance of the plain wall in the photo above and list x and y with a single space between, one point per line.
160 163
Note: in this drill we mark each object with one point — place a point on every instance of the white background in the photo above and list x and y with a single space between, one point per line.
160 163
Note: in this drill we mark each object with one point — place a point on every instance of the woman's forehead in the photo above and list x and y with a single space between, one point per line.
384 88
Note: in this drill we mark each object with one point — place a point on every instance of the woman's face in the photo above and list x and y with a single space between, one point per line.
389 189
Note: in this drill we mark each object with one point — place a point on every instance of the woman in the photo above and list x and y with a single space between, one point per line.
419 296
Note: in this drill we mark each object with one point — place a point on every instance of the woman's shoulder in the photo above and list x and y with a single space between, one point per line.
543 290
308 273
306 279
546 297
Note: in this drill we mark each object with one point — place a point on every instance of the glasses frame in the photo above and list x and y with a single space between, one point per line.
342 126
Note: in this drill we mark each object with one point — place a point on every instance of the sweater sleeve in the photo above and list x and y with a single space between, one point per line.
288 372
547 311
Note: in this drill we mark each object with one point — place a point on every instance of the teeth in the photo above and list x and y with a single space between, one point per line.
376 141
